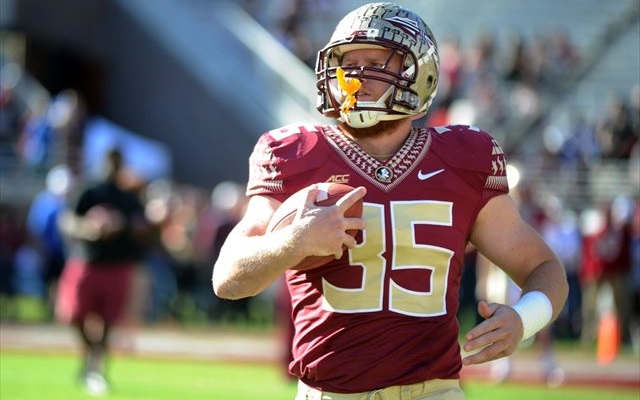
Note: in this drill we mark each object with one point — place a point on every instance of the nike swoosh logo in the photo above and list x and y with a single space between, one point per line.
424 177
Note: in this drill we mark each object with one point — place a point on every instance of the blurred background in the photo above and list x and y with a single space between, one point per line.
185 87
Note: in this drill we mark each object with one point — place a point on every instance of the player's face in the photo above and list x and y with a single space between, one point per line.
373 89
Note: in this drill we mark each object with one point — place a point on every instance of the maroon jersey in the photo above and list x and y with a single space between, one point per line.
385 313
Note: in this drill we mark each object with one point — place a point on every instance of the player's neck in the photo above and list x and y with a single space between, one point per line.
384 144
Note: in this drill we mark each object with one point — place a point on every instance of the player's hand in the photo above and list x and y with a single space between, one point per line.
321 230
496 337
104 222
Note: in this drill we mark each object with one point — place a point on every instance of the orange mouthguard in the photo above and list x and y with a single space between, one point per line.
350 87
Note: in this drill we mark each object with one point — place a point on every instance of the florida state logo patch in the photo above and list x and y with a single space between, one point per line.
384 174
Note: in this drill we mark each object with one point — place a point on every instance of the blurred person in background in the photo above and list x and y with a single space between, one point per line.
27 282
178 236
158 261
634 112
590 272
292 34
14 112
55 131
614 248
634 323
615 130
605 262
42 225
12 236
107 230
68 115
229 200
561 231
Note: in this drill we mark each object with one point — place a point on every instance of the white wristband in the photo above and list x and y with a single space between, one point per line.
535 310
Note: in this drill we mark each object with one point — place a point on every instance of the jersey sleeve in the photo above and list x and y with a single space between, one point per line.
281 156
476 151
497 182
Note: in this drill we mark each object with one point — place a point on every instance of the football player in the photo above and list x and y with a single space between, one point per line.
381 317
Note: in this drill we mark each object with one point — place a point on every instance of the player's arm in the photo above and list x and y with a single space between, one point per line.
508 241
98 223
249 260
252 258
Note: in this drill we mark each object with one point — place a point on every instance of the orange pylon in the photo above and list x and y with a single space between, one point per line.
608 338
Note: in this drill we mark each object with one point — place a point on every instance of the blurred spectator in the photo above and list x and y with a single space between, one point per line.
592 223
560 58
178 236
614 248
561 232
229 199
523 78
634 110
522 66
10 241
13 111
107 228
35 142
68 114
482 99
482 57
28 286
12 236
615 130
158 261
218 210
28 270
634 323
579 149
42 224
605 261
59 128
451 81
291 35
451 67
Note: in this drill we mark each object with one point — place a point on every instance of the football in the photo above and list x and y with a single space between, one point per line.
328 194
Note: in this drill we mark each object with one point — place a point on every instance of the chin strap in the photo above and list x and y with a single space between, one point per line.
350 87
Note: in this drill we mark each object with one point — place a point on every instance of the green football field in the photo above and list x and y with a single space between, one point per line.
28 376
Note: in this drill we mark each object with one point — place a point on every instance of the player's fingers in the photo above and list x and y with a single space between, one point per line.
491 352
485 309
350 241
349 199
491 335
488 325
355 224
312 193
